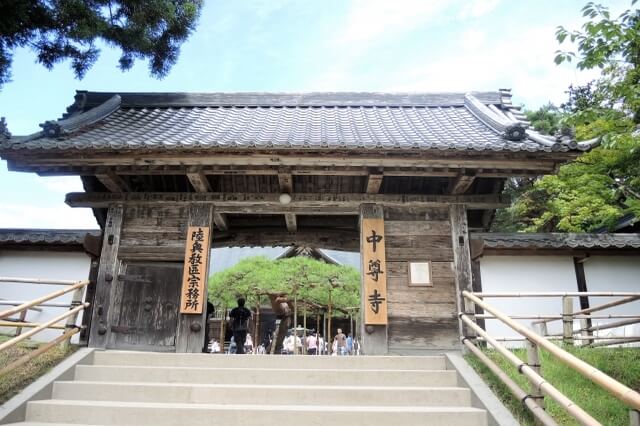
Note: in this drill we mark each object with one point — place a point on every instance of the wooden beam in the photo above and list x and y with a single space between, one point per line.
461 182
292 224
504 160
268 203
221 221
199 181
112 181
159 170
374 181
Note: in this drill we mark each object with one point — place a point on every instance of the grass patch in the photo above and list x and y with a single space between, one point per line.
623 364
13 382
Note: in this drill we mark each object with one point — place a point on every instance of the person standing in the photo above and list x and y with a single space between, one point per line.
349 344
239 324
341 341
312 344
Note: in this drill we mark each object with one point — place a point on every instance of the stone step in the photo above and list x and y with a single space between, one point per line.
266 361
257 376
260 394
163 414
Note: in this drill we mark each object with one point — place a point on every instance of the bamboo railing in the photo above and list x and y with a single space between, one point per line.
21 307
538 385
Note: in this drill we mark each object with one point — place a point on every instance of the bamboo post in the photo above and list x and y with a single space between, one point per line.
26 305
22 318
570 406
76 300
256 336
585 331
29 325
42 349
567 320
634 418
35 330
530 403
295 322
533 359
617 389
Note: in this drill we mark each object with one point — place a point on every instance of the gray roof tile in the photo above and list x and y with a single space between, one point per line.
57 237
377 121
558 241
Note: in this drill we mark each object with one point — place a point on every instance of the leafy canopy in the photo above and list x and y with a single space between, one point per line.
255 277
57 30
604 184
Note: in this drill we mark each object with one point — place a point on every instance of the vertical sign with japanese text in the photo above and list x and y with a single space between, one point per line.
194 277
374 270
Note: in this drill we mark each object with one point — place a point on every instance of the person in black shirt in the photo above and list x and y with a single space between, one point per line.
239 324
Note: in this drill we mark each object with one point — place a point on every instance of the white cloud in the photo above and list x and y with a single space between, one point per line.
477 8
19 215
369 19
523 62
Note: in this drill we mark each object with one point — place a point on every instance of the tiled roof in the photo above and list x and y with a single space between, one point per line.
558 241
57 237
449 121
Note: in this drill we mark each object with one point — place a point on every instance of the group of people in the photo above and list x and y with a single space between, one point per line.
313 344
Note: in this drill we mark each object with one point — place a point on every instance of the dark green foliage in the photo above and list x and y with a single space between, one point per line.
602 185
254 277
57 30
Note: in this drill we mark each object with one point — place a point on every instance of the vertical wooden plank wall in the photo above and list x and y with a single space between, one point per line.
191 327
107 273
420 318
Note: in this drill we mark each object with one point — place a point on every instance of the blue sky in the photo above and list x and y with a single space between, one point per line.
291 46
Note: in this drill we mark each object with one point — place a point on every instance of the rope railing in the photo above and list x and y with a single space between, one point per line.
476 333
69 327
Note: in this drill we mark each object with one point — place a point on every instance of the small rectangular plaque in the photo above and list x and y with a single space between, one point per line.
420 274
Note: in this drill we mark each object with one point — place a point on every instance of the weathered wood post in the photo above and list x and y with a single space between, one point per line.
567 320
107 273
76 300
373 289
192 319
533 360
462 264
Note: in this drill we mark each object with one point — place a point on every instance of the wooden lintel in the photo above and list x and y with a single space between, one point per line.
262 202
199 181
328 159
374 181
285 180
112 181
292 224
220 220
461 183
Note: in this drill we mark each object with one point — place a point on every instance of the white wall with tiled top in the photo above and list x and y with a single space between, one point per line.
45 265
557 274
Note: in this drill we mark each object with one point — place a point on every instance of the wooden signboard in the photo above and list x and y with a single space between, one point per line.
194 278
375 271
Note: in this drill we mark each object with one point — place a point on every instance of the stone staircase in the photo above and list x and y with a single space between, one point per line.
138 388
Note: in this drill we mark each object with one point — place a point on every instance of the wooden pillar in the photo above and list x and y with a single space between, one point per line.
462 262
107 273
191 327
374 339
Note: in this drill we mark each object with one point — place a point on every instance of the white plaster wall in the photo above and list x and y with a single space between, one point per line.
41 264
614 273
526 274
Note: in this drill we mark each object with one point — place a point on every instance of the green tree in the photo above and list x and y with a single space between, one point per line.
68 29
255 277
603 184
